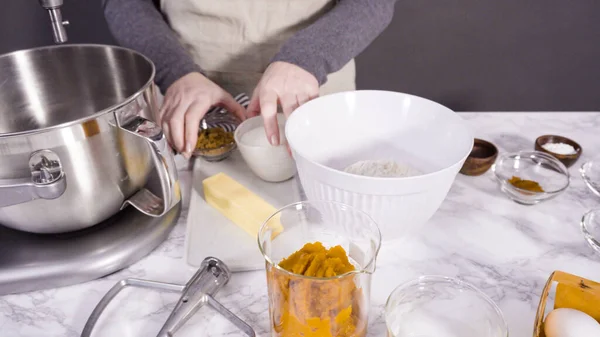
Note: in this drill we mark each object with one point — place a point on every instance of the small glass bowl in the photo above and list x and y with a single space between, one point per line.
224 122
590 226
217 154
438 306
590 172
549 172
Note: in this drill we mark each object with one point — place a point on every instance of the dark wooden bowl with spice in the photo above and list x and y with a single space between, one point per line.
481 158
564 149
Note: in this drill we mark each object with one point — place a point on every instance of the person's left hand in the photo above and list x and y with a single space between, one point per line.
283 84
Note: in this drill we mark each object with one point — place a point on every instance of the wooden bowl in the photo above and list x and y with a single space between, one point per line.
567 159
481 158
568 291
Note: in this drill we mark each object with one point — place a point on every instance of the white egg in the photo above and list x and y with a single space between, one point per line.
565 322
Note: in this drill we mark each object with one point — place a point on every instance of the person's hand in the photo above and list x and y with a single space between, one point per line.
285 85
186 101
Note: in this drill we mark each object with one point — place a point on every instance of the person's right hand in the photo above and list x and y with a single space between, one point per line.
186 101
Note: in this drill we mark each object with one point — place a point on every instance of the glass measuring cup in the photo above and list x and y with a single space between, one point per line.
327 306
438 306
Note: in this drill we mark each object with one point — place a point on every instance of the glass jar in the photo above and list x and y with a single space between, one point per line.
437 306
308 306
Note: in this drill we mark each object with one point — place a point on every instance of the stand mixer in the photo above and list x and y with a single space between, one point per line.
58 25
119 195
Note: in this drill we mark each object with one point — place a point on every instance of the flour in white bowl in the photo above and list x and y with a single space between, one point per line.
382 168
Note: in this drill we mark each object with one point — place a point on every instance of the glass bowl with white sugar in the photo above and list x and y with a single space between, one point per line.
438 306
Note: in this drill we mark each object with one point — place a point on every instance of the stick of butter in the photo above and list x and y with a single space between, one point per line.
240 205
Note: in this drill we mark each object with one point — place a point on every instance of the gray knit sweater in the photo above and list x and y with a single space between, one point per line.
322 48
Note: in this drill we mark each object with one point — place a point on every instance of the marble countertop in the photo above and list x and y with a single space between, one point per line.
506 249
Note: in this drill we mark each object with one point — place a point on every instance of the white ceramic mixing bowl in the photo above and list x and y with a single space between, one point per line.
332 132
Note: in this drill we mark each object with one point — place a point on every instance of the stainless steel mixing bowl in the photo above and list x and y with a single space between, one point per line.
75 144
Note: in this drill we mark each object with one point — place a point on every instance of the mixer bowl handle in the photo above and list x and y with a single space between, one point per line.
47 181
144 200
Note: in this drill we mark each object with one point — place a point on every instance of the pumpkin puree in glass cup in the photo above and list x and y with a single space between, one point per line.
318 291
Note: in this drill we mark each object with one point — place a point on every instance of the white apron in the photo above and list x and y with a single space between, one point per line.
234 40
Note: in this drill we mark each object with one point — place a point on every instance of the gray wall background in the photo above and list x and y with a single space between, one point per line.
471 55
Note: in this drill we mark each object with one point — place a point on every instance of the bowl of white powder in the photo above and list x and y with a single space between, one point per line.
382 168
392 155
270 163
562 148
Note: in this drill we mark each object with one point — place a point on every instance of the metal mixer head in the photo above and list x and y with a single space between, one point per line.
58 25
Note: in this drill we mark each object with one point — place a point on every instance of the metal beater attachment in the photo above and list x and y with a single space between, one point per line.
199 290
58 25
